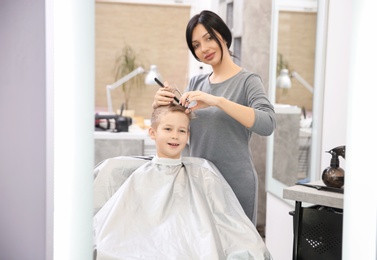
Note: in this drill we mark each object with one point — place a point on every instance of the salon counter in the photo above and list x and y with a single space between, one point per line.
314 196
136 142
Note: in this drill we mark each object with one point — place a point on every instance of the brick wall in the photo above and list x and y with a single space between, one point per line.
297 41
155 32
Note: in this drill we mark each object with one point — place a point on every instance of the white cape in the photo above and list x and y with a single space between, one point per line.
170 209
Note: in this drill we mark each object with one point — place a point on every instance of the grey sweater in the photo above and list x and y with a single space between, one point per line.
222 140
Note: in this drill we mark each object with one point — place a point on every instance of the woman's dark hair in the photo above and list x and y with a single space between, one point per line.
212 22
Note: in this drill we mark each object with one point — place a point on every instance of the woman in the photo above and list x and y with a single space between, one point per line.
230 104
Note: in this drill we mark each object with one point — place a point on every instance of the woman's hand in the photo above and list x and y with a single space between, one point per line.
243 114
164 96
195 100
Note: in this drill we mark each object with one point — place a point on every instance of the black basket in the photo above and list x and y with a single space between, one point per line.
320 234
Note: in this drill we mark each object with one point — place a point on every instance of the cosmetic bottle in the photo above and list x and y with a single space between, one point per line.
333 176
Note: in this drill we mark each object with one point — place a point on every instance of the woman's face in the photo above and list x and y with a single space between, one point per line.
206 48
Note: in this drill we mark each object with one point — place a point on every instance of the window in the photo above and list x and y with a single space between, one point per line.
229 15
237 50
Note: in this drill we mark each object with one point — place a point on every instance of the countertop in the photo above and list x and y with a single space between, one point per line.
135 132
314 196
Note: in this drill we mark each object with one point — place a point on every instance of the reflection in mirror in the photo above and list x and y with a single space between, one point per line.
298 29
295 67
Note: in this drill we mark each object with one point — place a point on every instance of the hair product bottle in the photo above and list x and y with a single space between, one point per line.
333 176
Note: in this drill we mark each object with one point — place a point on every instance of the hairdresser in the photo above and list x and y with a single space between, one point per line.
229 104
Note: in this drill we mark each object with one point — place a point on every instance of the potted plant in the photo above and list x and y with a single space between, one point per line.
125 63
281 64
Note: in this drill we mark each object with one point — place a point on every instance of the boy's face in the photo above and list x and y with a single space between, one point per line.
171 135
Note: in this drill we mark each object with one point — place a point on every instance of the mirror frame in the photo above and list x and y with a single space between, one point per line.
273 185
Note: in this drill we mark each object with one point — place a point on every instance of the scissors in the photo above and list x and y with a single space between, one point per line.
191 104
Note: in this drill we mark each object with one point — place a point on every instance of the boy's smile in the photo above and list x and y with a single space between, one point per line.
171 135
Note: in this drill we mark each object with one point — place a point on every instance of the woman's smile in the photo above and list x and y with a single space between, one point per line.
209 56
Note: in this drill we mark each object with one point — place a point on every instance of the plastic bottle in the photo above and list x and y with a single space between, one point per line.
333 176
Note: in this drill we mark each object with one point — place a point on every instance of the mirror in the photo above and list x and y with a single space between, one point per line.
297 50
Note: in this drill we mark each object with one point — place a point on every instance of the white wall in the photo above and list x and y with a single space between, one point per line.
279 228
70 61
360 205
46 84
336 79
22 138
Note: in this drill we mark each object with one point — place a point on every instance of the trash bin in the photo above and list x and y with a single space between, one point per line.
320 233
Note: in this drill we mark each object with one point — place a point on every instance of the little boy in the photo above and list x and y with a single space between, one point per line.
174 207
170 128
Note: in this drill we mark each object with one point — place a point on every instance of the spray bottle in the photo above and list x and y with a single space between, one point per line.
333 176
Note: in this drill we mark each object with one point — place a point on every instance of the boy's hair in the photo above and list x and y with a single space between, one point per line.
162 110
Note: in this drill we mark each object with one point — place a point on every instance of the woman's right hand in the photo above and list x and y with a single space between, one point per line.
164 96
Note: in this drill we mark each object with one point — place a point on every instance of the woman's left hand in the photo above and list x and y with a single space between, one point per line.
195 100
